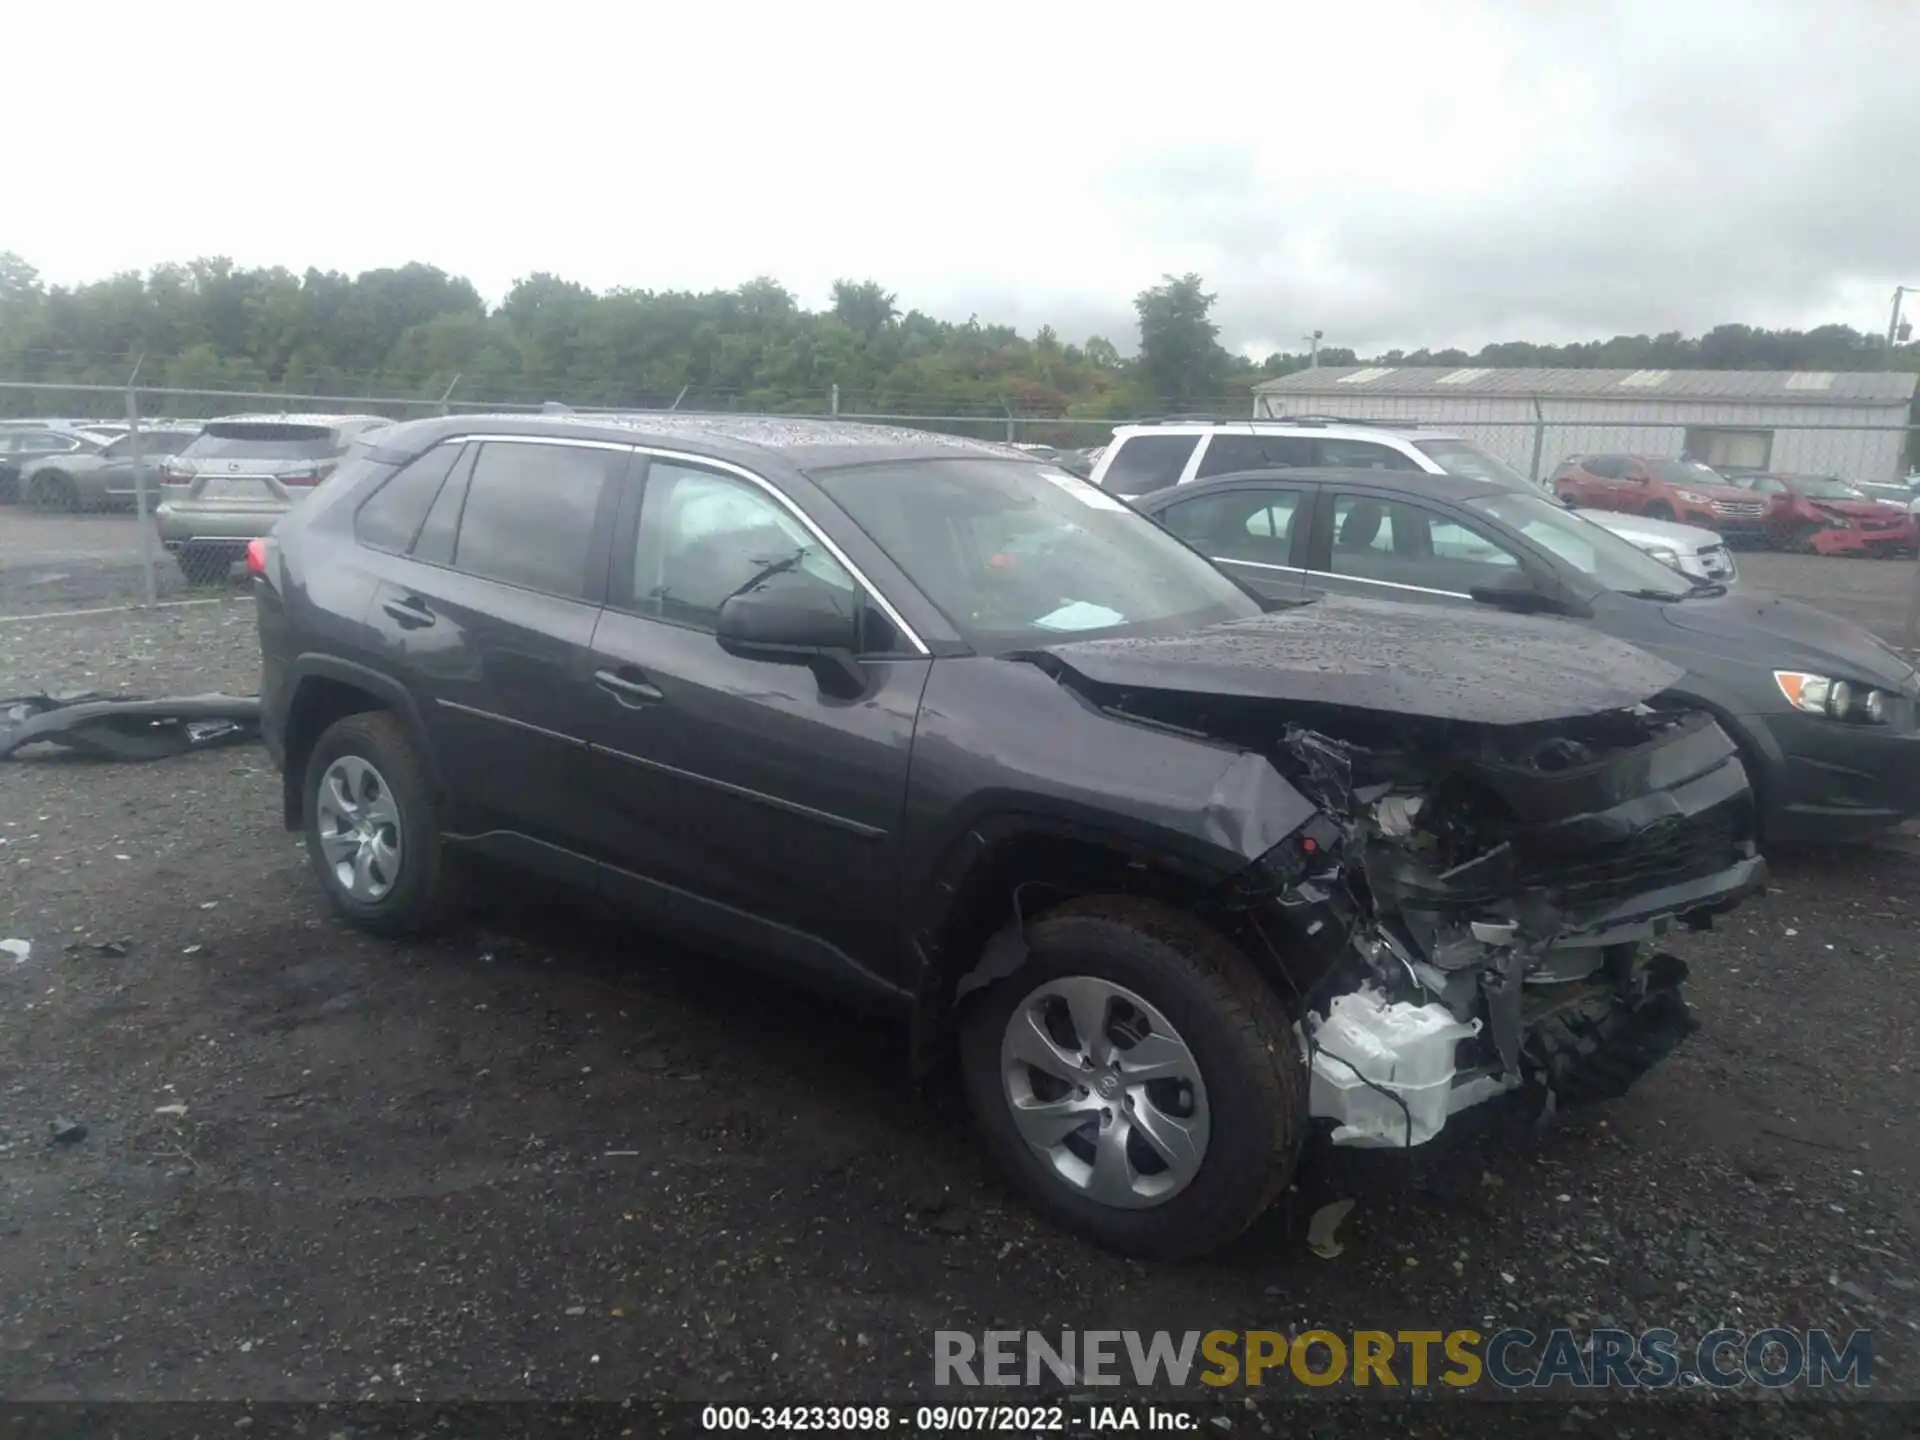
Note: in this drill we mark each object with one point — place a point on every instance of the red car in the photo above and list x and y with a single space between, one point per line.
1683 490
1822 515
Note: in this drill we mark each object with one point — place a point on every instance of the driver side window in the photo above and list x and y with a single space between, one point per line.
705 536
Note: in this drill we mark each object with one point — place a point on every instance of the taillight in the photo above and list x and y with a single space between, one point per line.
174 473
312 476
257 556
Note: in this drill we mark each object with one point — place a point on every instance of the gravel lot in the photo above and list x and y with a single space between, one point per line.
544 1157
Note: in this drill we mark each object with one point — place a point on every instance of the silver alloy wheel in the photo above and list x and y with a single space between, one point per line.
1105 1092
359 824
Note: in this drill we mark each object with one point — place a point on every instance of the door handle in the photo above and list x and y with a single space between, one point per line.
412 612
630 688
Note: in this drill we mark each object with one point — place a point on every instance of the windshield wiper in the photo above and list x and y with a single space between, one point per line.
1652 595
1705 590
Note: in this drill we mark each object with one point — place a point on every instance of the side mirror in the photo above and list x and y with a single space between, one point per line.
1520 593
792 619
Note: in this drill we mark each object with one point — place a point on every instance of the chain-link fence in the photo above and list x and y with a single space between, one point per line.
91 492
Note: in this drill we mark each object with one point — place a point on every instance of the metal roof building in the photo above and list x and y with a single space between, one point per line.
1848 423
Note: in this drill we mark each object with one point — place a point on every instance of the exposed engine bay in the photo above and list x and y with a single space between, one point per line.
1473 909
1510 883
1501 829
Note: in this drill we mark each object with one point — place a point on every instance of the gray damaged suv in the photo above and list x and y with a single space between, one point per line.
1176 874
242 473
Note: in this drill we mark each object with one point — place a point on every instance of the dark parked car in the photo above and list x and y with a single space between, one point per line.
1824 713
948 731
104 478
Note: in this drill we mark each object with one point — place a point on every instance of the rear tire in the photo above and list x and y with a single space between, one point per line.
367 793
1249 1106
54 493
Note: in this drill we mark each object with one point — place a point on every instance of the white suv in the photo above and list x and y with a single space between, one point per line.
1148 457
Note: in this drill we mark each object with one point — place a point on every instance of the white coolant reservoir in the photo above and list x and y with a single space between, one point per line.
1404 1049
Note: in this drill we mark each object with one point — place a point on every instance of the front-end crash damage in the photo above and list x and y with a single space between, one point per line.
1512 880
1476 906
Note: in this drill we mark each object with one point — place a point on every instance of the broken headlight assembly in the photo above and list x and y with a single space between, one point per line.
1835 699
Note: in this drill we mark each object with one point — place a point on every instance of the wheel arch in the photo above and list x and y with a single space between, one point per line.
1001 872
41 481
324 689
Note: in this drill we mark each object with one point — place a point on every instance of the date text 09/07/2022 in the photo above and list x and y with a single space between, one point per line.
946 1419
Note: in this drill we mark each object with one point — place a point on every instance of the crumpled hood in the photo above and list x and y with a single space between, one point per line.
1786 634
1859 509
1477 665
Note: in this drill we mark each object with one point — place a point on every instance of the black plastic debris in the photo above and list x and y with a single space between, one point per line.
127 727
66 1132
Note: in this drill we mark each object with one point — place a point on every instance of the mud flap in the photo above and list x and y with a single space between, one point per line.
1597 1051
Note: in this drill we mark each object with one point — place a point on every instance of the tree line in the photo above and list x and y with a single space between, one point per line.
414 330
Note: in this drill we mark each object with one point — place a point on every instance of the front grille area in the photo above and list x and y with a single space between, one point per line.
1739 509
1667 852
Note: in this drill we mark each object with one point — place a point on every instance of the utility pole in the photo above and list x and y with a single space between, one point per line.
1897 333
1313 348
142 508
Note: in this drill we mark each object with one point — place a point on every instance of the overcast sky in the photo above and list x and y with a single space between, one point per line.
1393 174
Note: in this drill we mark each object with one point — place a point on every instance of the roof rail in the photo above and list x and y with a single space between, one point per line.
1178 420
1377 422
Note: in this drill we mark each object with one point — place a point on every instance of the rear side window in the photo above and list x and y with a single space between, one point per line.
392 516
1145 463
435 544
45 442
1227 454
529 515
1339 454
265 439
1248 525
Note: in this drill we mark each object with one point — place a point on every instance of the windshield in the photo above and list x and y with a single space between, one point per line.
1463 457
1593 551
1825 487
1685 472
1016 554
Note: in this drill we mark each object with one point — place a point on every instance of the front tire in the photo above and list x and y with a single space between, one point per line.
54 493
373 830
1658 510
1137 1079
